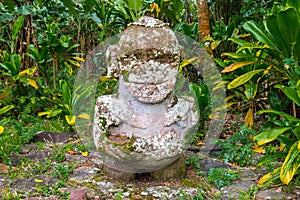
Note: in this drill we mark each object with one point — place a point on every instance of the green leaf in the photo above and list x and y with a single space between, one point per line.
66 92
53 113
71 6
269 135
298 88
290 93
6 109
288 117
288 25
291 164
258 33
273 29
17 27
135 5
243 78
237 65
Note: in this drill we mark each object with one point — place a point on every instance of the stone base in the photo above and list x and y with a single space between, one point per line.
176 170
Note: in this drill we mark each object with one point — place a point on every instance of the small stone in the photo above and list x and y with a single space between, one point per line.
78 195
144 193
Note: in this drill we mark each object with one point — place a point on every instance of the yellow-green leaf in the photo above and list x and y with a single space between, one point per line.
270 176
220 85
237 65
187 62
85 154
78 58
249 121
290 165
33 83
74 63
1 129
70 119
3 95
269 135
84 116
28 71
44 113
6 109
38 180
243 79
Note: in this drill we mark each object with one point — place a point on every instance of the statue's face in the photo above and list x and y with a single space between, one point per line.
149 77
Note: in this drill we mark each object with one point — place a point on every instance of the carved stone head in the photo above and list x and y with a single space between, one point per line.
147 59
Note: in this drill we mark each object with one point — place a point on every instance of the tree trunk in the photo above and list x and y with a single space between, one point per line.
203 19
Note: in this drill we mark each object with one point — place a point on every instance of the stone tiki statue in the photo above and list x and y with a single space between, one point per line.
142 128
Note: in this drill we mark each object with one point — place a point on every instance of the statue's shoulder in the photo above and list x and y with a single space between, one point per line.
107 100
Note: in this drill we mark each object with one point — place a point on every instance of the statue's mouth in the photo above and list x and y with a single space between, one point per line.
150 93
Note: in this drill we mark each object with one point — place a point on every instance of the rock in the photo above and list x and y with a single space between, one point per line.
107 187
233 191
5 168
53 137
78 195
84 174
273 194
173 171
118 175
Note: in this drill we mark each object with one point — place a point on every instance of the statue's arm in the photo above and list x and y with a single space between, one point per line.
106 114
184 112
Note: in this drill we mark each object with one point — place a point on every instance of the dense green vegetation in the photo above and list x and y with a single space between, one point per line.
43 44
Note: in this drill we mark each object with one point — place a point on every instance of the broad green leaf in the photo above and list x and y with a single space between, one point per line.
291 164
70 119
238 41
290 93
294 3
66 92
6 109
288 24
236 65
17 27
258 33
250 90
36 55
243 79
135 5
269 135
71 6
288 117
272 27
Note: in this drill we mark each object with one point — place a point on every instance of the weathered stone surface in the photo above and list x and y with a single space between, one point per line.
118 175
84 174
143 127
53 137
272 194
233 191
172 171
78 195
